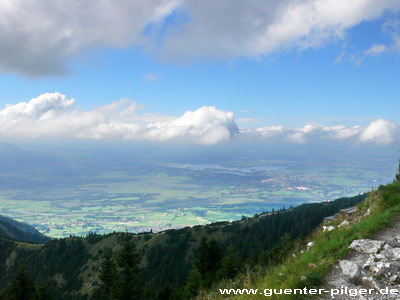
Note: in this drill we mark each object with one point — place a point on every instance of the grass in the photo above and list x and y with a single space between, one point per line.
314 264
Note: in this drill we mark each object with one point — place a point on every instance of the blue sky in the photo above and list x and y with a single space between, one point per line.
265 69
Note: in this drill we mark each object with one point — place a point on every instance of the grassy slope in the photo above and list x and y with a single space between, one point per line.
328 248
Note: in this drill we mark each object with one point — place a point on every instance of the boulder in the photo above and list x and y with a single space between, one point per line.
379 257
373 267
345 223
368 212
390 254
367 246
388 268
309 245
328 228
387 246
369 262
351 270
395 279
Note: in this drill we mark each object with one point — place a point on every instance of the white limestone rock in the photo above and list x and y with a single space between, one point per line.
328 228
394 279
390 253
367 246
387 269
344 224
351 270
369 262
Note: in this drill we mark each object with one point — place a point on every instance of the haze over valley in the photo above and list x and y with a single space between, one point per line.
68 188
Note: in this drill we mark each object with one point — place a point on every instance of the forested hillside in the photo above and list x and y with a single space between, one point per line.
173 264
14 230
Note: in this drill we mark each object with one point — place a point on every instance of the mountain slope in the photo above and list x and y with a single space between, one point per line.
306 267
14 230
71 265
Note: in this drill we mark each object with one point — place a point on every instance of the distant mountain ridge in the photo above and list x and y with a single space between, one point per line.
14 230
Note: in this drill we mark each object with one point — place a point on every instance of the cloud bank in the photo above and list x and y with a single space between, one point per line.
380 132
53 115
39 37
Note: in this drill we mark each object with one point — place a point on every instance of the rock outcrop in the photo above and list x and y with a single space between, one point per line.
373 264
367 246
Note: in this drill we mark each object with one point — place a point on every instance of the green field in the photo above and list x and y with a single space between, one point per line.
167 197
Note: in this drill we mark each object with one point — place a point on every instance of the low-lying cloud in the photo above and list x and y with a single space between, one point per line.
53 115
380 132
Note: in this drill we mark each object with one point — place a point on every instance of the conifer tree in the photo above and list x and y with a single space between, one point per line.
128 262
108 276
230 264
193 283
22 287
208 260
201 254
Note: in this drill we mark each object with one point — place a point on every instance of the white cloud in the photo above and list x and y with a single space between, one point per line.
39 37
43 107
207 125
233 28
376 49
270 131
300 135
392 27
53 115
343 132
380 132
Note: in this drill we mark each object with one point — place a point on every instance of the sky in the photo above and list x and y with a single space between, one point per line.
202 72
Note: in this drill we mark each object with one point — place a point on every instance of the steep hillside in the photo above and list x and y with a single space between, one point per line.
307 264
71 266
14 230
